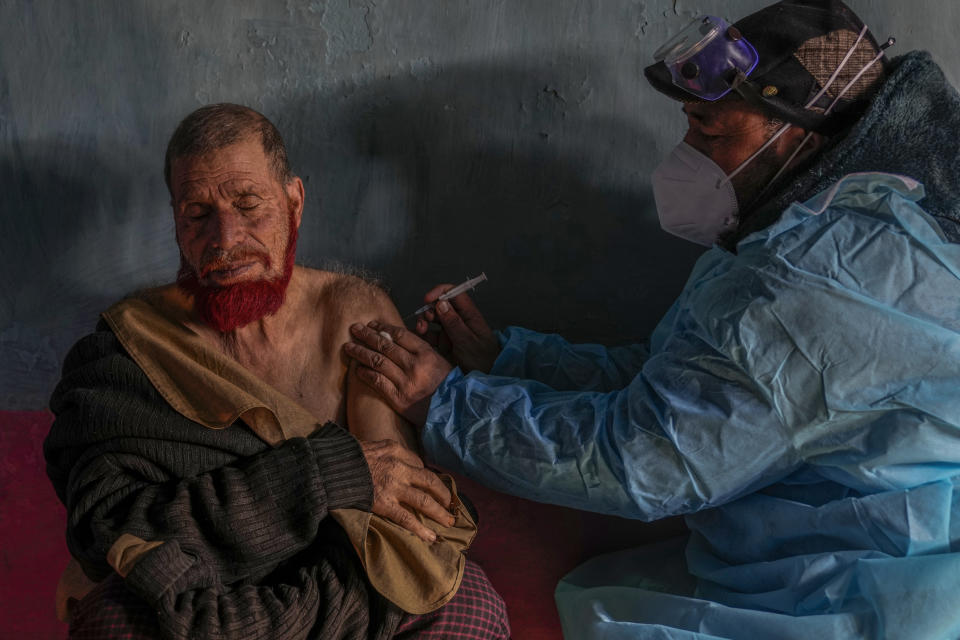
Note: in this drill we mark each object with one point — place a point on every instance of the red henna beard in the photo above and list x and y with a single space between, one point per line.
236 305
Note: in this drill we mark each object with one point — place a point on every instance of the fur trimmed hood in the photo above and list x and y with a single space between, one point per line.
911 128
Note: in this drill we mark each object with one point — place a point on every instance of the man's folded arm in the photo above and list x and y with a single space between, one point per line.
316 596
125 463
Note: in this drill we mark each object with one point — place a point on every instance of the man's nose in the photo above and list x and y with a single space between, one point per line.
227 229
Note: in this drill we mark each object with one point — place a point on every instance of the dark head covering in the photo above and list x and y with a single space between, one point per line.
800 43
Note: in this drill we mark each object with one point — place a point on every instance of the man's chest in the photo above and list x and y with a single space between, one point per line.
311 373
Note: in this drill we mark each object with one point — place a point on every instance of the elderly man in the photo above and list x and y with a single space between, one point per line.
209 490
800 402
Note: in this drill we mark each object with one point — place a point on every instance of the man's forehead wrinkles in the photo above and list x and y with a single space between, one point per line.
192 189
229 184
238 185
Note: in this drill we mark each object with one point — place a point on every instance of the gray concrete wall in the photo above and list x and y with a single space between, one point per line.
436 139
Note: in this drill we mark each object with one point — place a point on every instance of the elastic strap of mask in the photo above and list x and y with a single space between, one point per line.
837 71
812 101
890 42
743 165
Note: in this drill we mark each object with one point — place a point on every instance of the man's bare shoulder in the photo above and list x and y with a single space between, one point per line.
163 296
351 297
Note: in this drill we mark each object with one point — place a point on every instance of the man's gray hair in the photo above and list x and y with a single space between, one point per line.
219 125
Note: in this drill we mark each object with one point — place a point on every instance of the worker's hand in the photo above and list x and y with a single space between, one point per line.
405 369
465 337
401 486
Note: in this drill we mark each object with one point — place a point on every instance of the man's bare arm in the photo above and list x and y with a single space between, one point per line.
401 483
369 417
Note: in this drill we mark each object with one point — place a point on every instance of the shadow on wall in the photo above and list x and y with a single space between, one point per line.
514 168
485 167
54 196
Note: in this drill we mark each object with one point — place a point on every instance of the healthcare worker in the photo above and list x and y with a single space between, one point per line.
799 402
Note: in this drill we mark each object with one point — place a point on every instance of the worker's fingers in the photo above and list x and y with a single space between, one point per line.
453 325
400 336
471 315
422 326
466 310
474 346
406 379
436 292
374 361
429 315
382 349
381 383
430 334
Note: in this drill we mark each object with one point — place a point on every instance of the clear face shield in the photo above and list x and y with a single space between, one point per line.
709 59
707 56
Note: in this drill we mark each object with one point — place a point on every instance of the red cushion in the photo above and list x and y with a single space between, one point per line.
526 547
32 523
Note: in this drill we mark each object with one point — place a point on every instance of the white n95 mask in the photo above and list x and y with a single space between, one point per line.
695 200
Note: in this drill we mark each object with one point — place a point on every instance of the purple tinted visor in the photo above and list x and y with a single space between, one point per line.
704 58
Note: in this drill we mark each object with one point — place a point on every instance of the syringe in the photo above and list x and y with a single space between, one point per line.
457 290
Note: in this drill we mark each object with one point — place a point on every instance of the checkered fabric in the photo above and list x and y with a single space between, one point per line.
477 612
822 55
112 612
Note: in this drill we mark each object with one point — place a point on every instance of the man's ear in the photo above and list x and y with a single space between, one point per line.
295 196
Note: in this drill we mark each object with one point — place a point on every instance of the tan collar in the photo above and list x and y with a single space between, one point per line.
196 379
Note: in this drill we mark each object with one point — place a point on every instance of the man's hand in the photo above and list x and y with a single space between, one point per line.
466 336
401 484
402 367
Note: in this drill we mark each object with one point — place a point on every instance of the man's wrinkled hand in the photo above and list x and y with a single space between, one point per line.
403 368
402 486
465 335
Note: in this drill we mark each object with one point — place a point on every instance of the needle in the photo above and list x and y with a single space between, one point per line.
452 293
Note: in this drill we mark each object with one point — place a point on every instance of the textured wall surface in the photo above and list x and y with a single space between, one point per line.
436 138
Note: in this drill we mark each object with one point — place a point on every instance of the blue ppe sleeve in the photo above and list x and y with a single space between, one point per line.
680 437
550 359
830 345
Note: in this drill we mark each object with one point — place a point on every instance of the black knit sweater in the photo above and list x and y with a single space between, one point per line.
249 550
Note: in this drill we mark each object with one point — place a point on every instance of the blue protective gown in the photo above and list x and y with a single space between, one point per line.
800 402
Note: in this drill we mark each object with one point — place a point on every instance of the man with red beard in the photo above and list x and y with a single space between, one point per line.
209 488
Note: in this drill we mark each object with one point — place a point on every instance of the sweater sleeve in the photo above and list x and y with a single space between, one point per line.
229 509
315 595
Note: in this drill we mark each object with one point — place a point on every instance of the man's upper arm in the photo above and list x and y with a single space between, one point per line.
369 417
